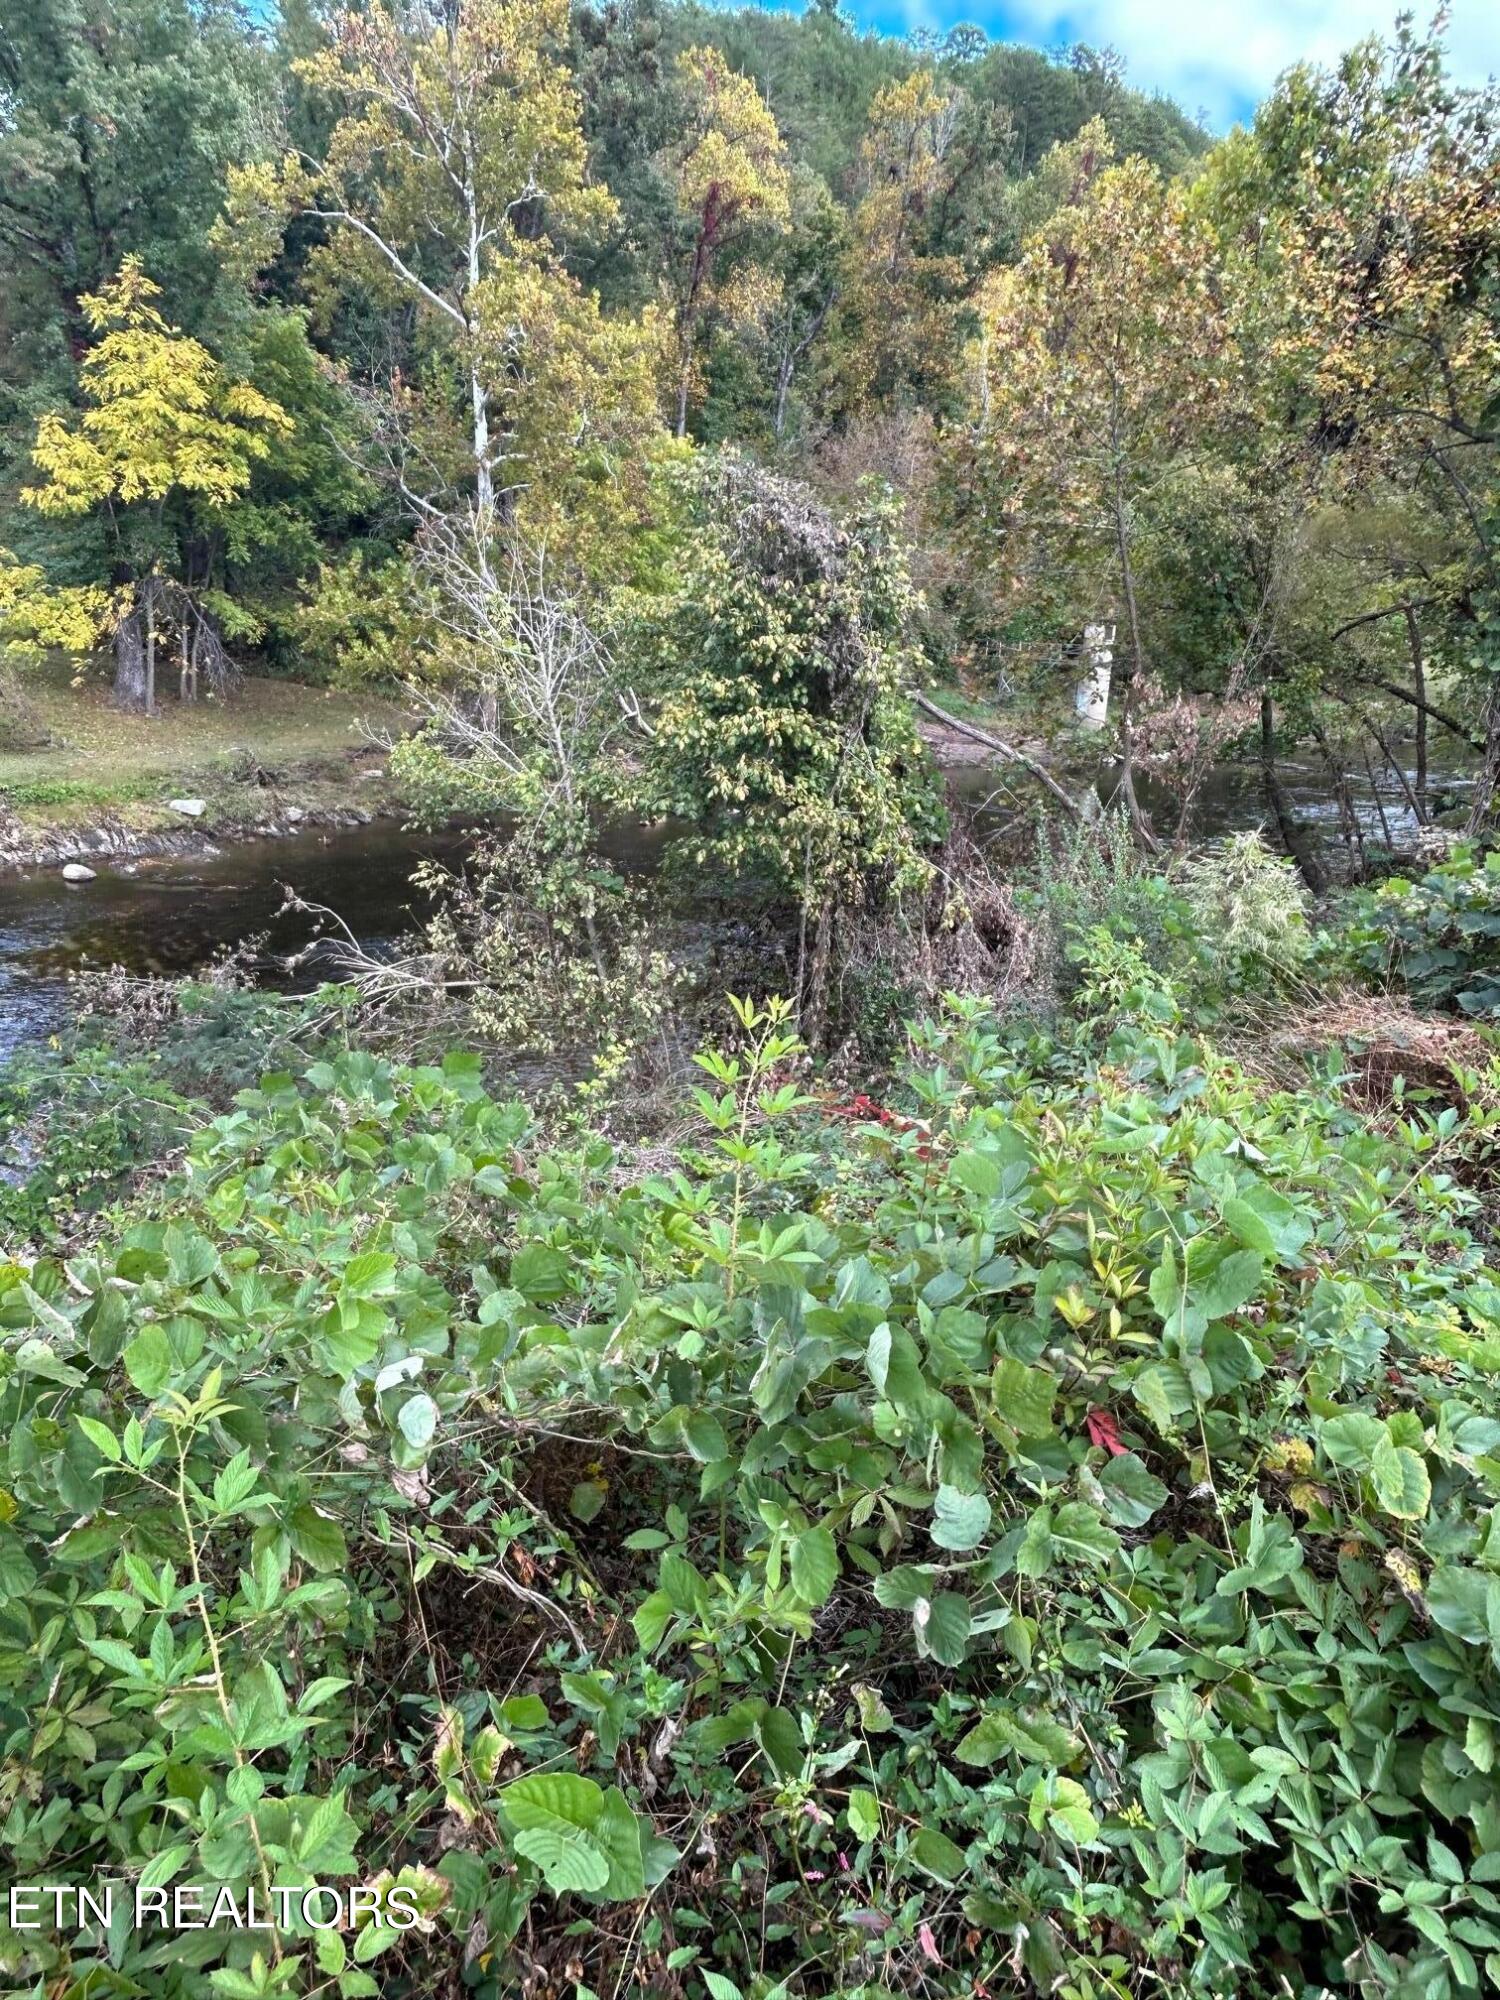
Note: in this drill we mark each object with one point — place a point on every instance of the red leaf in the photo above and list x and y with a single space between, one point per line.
1103 1430
929 1944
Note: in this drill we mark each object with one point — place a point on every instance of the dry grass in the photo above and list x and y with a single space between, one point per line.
95 757
1385 1044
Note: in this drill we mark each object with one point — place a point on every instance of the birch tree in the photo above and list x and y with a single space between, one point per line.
454 176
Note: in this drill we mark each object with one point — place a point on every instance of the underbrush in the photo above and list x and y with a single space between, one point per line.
1437 937
1229 922
107 1110
1031 1532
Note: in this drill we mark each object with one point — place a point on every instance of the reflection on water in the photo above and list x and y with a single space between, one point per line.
172 915
1232 801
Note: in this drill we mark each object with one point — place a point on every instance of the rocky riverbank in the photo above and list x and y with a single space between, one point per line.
111 839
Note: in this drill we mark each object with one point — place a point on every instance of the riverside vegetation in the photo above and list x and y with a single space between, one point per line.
977 1476
1029 1531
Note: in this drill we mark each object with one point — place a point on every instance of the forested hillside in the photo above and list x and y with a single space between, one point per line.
749 987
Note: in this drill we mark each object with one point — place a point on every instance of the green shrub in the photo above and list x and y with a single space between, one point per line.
1035 1536
1232 920
1439 937
1248 907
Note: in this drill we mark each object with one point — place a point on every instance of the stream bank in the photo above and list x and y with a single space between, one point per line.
168 901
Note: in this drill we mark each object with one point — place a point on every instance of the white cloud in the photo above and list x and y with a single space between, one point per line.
1215 55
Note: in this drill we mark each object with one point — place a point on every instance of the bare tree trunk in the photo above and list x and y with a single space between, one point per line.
1294 837
1349 826
131 690
1003 749
150 610
1419 679
814 1008
1488 782
783 388
1136 674
686 326
1385 825
1413 799
790 356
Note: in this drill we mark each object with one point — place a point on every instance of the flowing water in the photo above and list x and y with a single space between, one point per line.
173 915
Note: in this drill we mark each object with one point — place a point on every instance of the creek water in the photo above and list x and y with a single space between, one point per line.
173 915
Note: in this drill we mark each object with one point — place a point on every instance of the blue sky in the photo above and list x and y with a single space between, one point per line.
1213 56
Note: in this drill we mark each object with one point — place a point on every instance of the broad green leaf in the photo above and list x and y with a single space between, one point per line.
942 1627
1399 1477
814 1565
621 1837
960 1521
418 1417
1132 1493
101 1437
704 1437
1063 1807
317 1539
148 1360
1080 1535
369 1275
1349 1439
1034 1737
1024 1397
936 1855
553 1815
976 1172
904 1587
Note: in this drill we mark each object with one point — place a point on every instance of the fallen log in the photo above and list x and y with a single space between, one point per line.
1001 749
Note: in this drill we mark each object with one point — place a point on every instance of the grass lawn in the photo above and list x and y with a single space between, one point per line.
314 741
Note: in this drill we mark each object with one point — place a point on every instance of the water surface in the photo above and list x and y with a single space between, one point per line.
174 914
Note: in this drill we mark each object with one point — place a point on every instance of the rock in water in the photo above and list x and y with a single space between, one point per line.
76 872
194 808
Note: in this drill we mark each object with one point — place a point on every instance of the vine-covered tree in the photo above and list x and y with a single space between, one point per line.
777 666
728 174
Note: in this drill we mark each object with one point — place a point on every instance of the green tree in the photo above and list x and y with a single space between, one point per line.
121 118
1107 357
1372 191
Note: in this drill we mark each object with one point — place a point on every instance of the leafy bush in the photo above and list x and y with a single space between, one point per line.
1093 873
70 1134
1231 920
1248 906
1038 1537
1439 936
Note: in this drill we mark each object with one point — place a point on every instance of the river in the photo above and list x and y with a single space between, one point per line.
174 914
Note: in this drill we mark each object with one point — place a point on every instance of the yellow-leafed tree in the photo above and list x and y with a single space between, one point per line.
728 173
162 428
